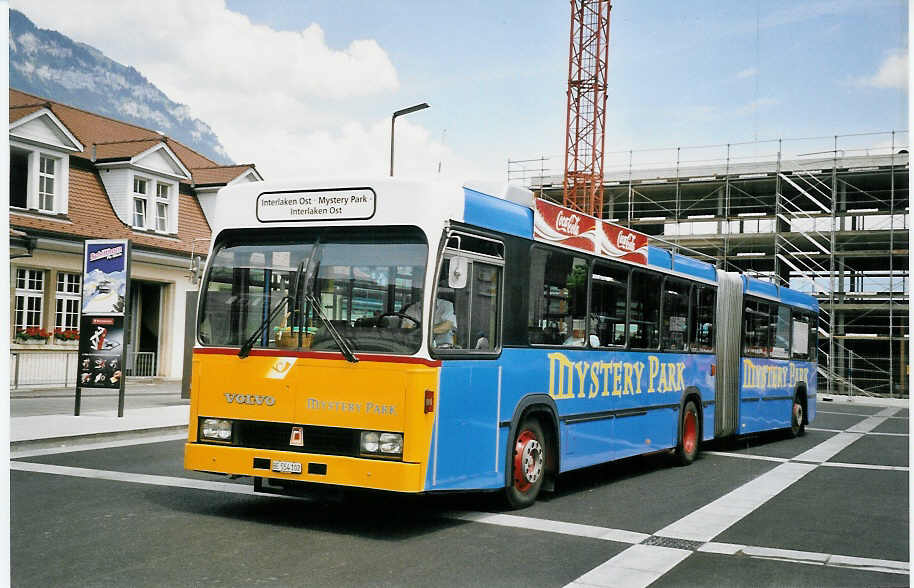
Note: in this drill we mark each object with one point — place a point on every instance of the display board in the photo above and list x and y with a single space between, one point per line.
102 338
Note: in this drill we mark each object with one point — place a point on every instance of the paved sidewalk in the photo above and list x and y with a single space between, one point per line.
45 416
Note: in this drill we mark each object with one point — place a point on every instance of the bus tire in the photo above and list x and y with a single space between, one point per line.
797 416
687 448
528 464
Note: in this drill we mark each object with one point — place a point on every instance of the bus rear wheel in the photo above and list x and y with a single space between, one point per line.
797 428
687 449
528 465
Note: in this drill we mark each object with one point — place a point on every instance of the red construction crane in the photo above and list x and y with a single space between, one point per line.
588 58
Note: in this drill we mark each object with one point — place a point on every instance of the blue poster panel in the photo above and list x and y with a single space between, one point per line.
105 277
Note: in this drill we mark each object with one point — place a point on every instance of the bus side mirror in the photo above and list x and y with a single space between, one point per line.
457 273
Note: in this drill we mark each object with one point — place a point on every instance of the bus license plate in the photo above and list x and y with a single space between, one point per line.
286 467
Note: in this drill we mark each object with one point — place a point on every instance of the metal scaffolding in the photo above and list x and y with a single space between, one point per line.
825 215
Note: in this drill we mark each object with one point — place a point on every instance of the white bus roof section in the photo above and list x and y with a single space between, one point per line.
338 202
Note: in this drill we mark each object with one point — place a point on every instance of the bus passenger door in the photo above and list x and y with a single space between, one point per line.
466 335
464 453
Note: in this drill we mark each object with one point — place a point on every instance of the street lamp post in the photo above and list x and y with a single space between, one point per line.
393 119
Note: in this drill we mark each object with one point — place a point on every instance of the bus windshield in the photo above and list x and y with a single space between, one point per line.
368 283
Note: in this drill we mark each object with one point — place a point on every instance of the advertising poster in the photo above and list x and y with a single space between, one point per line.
105 277
102 349
568 228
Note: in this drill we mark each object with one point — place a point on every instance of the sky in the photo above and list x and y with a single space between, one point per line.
307 88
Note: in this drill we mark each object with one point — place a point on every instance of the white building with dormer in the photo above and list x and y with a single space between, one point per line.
75 175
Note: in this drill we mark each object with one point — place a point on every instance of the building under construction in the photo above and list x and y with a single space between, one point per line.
828 216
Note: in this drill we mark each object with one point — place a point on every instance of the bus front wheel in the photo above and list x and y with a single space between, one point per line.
528 464
687 449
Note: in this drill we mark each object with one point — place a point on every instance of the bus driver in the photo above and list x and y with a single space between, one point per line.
444 322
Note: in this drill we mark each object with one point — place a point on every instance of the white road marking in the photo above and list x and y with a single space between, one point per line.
714 518
809 557
549 526
831 464
642 565
639 565
636 566
870 433
864 466
24 466
868 424
818 412
746 456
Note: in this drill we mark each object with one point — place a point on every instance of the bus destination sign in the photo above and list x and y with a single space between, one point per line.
316 205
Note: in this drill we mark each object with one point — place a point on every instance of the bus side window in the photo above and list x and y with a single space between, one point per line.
800 336
675 314
558 298
814 337
755 328
609 287
701 329
644 317
780 331
483 331
468 318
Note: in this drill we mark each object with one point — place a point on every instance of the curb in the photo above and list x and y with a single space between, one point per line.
864 400
90 438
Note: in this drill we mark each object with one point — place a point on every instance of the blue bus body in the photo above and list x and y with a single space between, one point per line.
606 404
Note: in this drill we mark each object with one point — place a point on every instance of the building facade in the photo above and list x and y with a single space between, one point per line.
75 175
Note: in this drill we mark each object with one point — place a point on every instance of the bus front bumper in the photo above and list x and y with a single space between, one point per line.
354 472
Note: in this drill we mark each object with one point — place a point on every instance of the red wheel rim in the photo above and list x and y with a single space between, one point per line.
690 432
528 461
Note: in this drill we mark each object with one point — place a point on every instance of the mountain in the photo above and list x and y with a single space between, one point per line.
49 64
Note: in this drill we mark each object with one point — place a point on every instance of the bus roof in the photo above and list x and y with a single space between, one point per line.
507 209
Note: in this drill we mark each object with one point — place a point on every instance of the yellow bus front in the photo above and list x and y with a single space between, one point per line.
308 364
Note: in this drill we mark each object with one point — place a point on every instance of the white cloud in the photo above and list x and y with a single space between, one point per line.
750 72
758 104
892 73
280 99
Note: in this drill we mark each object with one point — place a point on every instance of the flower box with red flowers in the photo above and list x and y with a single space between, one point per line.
32 335
66 335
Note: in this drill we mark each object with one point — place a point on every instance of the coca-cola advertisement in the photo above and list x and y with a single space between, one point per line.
568 228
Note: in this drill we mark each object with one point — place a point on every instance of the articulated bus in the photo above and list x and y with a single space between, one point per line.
424 337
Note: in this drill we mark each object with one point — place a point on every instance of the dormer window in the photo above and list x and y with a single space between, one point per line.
46 182
162 207
40 147
139 202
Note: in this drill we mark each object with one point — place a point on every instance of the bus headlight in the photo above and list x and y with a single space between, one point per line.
370 441
216 429
392 443
378 443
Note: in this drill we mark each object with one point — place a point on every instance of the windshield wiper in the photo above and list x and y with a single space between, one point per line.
345 349
249 343
308 296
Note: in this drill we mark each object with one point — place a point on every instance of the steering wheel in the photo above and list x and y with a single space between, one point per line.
400 315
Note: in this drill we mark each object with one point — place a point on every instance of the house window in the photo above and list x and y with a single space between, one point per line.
46 177
19 178
139 203
67 312
162 207
29 298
